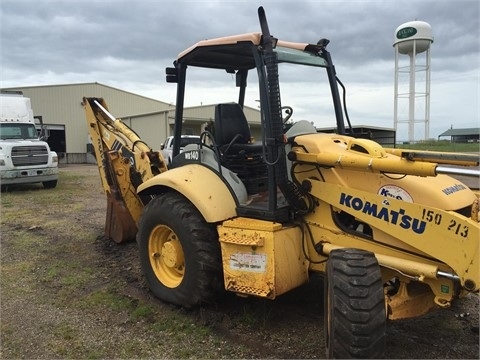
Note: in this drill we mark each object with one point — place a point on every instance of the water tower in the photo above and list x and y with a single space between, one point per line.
412 38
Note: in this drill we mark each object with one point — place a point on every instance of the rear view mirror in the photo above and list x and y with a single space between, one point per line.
172 75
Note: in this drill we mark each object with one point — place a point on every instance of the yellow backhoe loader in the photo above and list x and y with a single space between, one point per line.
392 231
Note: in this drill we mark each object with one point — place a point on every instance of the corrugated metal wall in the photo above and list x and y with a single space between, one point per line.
151 128
61 105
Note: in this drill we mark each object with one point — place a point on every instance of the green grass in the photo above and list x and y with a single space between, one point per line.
108 299
52 259
442 145
142 311
34 196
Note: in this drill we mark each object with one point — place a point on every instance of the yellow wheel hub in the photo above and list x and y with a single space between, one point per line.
166 256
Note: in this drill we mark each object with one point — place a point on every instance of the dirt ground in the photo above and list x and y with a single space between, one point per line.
66 292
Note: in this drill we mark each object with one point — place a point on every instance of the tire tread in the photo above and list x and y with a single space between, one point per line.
358 305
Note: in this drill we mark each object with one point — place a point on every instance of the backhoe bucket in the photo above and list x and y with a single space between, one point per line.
119 224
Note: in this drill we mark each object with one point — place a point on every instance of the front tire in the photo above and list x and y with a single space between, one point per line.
50 184
355 318
179 252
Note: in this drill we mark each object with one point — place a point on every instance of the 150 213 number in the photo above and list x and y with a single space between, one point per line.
458 228
432 216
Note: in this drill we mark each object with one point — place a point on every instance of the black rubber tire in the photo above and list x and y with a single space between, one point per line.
199 278
355 318
50 184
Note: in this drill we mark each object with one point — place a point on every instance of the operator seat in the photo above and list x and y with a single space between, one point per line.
232 132
237 152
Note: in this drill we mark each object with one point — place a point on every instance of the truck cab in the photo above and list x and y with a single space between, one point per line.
167 146
24 155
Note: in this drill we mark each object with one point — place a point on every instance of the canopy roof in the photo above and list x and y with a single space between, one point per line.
230 52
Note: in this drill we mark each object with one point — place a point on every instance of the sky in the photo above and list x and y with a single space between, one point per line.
128 45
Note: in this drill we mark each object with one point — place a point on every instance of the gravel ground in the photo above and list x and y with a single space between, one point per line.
66 292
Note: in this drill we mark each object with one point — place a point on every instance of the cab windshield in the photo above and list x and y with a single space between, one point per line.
304 86
294 56
18 131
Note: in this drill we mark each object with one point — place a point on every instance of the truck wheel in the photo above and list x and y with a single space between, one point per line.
179 252
355 318
50 184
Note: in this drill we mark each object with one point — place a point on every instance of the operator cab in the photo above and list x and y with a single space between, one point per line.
260 165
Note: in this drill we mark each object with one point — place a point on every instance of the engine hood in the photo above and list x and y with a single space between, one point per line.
440 191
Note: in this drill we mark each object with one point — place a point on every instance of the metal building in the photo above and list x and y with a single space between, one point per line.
61 109
466 135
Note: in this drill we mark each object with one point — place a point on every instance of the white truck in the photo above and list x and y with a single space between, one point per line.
24 155
167 146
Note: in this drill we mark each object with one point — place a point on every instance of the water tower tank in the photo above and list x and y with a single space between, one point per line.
405 35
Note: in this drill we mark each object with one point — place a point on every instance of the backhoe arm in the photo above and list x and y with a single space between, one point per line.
124 162
444 235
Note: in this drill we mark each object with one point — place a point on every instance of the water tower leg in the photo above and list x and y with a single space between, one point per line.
411 108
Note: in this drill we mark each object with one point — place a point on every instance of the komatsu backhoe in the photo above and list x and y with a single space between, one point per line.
392 231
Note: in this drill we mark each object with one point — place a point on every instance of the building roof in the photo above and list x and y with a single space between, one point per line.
84 84
461 132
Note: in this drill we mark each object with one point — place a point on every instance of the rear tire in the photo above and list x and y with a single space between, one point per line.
355 318
179 252
50 184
